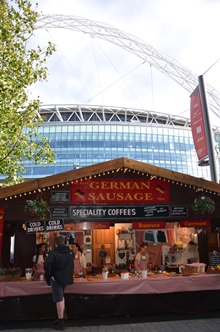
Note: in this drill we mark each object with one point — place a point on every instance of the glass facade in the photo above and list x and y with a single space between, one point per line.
86 135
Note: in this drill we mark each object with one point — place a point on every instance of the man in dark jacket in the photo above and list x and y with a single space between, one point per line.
58 268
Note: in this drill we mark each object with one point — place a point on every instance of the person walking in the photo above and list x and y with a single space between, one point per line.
59 267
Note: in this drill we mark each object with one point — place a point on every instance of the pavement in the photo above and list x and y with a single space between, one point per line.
176 322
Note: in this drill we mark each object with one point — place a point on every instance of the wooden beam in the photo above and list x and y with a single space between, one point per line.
106 166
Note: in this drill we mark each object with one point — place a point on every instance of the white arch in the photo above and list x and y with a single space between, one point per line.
164 63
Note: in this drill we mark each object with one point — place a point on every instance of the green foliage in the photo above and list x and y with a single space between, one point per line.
203 204
37 208
20 67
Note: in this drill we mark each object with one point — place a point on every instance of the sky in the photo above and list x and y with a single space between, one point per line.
91 71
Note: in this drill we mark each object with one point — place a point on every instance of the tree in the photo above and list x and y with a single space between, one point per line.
20 67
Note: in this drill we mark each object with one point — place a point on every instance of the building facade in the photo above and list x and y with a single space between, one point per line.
82 135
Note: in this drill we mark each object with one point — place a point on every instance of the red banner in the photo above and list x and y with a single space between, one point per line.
92 225
120 191
84 226
195 223
197 125
2 210
148 225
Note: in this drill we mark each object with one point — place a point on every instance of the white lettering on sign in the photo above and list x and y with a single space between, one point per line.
54 227
35 224
54 222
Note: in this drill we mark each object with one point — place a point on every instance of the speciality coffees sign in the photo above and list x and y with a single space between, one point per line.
119 212
120 191
49 225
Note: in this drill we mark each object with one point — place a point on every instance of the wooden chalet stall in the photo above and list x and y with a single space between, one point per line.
110 209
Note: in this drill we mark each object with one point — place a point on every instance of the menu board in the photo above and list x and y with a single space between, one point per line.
179 211
214 259
60 212
60 196
156 211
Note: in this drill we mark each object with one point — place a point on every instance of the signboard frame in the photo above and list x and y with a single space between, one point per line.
214 259
60 196
112 212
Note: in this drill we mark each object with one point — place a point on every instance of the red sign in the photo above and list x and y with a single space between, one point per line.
197 125
92 225
2 210
148 225
82 226
120 191
195 223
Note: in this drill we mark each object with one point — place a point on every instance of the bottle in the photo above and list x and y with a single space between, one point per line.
89 268
80 274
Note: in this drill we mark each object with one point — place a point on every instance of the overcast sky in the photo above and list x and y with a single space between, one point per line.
87 70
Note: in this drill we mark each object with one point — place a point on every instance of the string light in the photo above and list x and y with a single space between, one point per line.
123 170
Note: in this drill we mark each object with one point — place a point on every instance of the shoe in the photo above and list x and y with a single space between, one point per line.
56 322
60 325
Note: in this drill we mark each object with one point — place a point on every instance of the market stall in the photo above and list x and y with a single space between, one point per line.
110 209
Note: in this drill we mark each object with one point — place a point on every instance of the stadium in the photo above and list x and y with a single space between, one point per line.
83 135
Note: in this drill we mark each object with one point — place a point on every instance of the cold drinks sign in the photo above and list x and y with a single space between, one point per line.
48 225
120 191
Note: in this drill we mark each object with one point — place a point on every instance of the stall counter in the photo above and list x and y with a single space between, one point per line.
158 284
114 296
